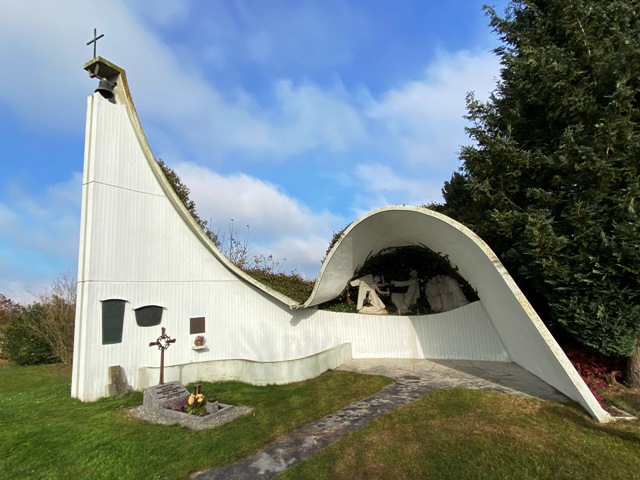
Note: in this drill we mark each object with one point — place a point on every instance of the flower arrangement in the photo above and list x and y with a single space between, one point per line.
194 404
197 404
199 341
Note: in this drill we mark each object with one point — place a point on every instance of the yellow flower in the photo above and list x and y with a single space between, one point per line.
200 400
191 399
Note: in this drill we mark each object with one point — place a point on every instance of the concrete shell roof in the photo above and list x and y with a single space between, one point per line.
396 226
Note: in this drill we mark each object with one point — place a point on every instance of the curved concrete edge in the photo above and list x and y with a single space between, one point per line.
336 270
123 97
250 371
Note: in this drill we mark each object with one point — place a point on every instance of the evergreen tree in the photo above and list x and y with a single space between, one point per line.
552 180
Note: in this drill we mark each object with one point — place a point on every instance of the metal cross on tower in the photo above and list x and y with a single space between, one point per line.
162 343
95 41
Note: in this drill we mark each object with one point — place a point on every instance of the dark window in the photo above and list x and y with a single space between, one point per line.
197 325
112 321
149 316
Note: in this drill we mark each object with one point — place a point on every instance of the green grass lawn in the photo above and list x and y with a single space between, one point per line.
473 434
449 434
44 434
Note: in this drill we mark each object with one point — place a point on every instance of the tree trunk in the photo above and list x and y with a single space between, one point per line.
633 367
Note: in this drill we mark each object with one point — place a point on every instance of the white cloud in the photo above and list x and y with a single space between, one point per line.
185 111
23 292
312 118
391 188
8 217
45 222
302 118
424 117
38 236
165 13
395 147
302 254
41 47
383 178
212 124
42 80
278 224
41 44
316 35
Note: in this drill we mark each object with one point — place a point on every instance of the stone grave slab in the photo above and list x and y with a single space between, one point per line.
158 399
162 396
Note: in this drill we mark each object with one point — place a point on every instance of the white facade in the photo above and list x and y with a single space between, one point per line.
139 244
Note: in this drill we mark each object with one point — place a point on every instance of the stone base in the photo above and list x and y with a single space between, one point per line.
165 416
117 386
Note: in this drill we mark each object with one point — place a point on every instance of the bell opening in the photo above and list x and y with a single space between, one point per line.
105 88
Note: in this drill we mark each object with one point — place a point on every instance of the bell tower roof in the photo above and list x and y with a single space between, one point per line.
99 67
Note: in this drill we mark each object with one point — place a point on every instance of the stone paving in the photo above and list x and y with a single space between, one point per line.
413 379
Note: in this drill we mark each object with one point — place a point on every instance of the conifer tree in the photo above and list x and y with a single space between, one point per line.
552 181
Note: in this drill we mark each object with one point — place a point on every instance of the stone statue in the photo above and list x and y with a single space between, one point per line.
404 301
444 294
369 302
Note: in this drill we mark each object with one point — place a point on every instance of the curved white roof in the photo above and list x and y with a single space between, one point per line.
394 226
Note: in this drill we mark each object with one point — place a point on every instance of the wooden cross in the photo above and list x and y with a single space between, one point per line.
95 41
162 343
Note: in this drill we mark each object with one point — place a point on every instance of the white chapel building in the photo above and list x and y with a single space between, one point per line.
145 264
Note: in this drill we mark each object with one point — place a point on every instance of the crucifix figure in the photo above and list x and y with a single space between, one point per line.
162 343
95 41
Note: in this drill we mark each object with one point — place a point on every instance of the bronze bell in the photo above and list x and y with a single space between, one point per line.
105 88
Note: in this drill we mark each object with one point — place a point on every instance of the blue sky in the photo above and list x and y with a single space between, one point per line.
292 117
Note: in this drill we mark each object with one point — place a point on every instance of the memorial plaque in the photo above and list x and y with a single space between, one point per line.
117 385
162 396
197 325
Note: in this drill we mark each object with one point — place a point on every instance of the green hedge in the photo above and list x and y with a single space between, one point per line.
20 343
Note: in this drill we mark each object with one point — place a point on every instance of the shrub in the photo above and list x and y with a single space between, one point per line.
7 310
292 285
43 331
598 371
20 343
58 320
